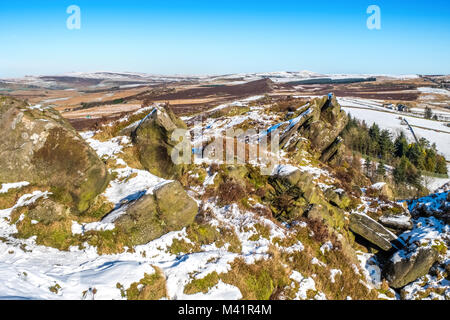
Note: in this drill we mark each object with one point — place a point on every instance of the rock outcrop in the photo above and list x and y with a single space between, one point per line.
40 147
297 186
328 122
405 267
321 123
153 138
338 198
372 231
153 215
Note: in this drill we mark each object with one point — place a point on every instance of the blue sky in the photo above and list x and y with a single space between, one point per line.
214 37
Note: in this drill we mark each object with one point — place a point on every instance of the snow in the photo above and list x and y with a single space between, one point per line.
434 91
243 225
93 226
23 201
297 247
283 170
8 186
36 107
433 202
135 184
378 186
333 274
131 183
400 220
289 123
27 270
305 284
370 268
318 262
221 291
238 103
109 148
327 246
437 185
209 180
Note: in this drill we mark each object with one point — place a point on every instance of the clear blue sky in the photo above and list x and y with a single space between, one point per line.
216 37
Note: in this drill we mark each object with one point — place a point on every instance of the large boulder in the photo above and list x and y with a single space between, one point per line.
153 138
41 147
372 231
168 209
404 267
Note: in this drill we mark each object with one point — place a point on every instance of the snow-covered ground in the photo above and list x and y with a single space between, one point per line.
427 90
31 271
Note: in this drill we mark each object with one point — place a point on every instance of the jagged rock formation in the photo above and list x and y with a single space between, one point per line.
153 215
326 125
40 147
321 123
153 138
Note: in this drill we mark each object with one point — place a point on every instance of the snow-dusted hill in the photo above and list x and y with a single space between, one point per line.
146 78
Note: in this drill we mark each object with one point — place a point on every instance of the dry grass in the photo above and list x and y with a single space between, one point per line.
230 192
10 198
151 287
202 285
258 281
131 156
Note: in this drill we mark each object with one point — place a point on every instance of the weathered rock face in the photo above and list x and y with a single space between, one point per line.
381 189
321 123
150 217
298 183
40 147
326 125
372 231
404 267
153 138
331 151
338 198
305 199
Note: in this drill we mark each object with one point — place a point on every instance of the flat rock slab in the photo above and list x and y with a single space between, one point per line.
372 231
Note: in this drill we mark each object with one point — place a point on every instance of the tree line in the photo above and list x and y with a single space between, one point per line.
407 159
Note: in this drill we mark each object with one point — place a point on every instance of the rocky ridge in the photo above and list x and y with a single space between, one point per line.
295 232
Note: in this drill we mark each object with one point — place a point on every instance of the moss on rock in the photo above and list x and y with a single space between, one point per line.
40 147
